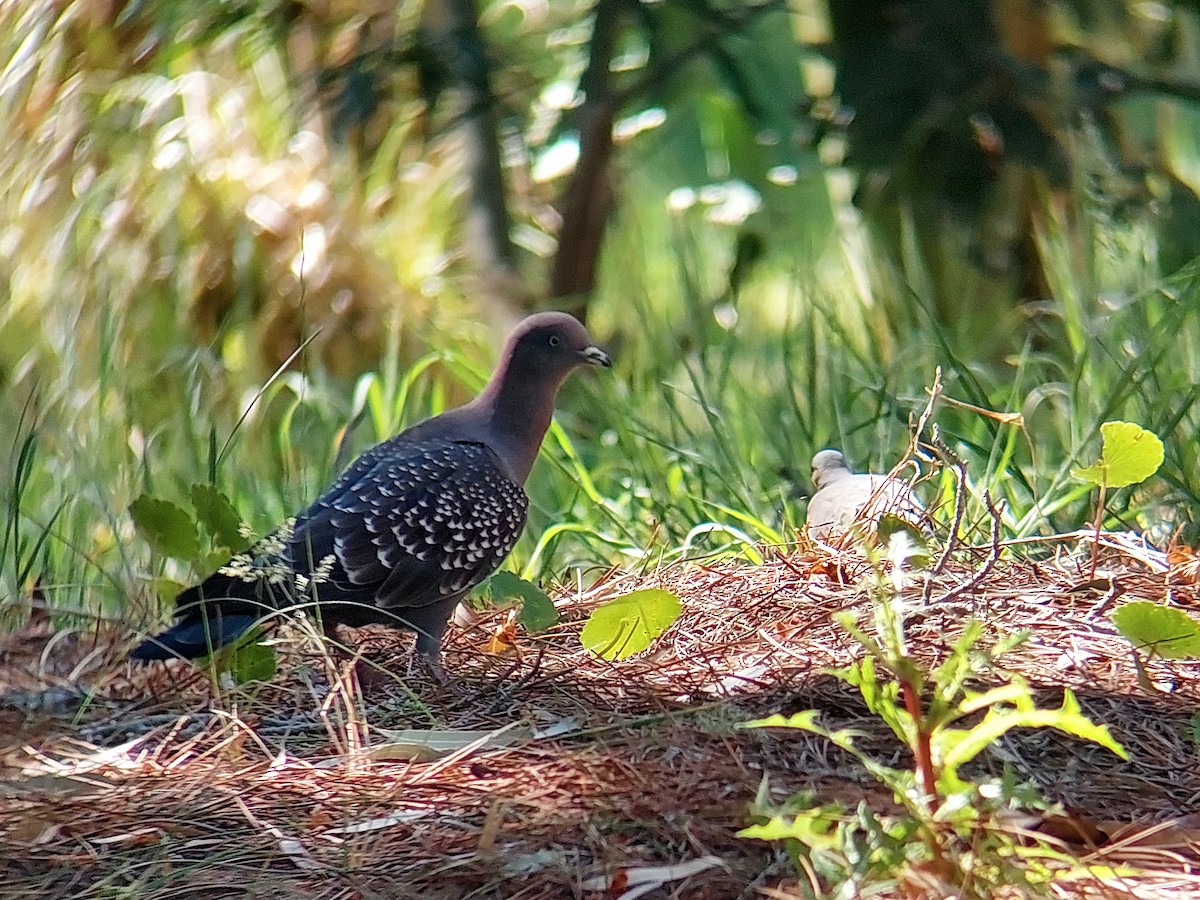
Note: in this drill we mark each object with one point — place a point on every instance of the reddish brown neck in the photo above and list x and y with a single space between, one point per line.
517 408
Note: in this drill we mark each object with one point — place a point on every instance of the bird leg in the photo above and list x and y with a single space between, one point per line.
369 675
429 623
431 662
332 641
426 656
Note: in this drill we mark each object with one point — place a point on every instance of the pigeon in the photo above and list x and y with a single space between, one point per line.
844 499
410 526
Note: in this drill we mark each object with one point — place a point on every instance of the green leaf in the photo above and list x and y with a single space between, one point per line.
958 747
805 721
210 562
1161 630
217 514
627 625
903 541
1013 692
816 828
167 528
252 661
1130 454
537 610
167 588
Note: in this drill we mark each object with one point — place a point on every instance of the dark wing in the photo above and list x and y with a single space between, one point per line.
362 464
421 521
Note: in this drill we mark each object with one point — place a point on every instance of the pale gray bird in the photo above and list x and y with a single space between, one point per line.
411 525
843 499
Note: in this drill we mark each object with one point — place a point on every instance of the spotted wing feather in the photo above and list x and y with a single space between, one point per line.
410 526
426 521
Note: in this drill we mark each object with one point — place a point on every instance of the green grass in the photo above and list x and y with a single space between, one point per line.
145 306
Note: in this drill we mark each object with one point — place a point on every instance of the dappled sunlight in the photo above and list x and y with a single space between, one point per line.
242 242
608 759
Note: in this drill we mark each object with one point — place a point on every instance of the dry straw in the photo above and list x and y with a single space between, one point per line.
155 786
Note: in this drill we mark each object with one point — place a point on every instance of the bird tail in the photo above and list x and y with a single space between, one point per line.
211 616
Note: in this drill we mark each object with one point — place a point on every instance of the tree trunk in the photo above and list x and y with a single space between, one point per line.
587 202
451 28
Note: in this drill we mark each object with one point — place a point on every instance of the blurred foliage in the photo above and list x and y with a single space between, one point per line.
968 122
232 243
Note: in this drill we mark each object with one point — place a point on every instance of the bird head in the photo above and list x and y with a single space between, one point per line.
550 345
518 401
828 465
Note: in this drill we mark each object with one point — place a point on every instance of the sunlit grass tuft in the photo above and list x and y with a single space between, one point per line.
175 227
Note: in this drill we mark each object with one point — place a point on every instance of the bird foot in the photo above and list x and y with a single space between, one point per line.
431 663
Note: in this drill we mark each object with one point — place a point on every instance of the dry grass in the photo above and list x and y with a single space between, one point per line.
156 786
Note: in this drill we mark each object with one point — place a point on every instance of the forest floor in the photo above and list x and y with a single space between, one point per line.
577 777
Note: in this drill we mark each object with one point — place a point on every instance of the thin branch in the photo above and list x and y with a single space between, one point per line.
993 555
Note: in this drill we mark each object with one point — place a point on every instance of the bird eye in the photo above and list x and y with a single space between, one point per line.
554 340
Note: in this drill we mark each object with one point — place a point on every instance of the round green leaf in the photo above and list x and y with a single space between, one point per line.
537 610
1130 454
167 528
217 514
167 588
1161 630
627 625
253 662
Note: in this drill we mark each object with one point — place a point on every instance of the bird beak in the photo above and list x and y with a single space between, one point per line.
596 357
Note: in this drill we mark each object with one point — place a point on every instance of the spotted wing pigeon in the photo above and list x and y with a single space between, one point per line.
844 499
411 525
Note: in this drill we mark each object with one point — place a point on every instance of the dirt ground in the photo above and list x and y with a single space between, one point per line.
146 782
